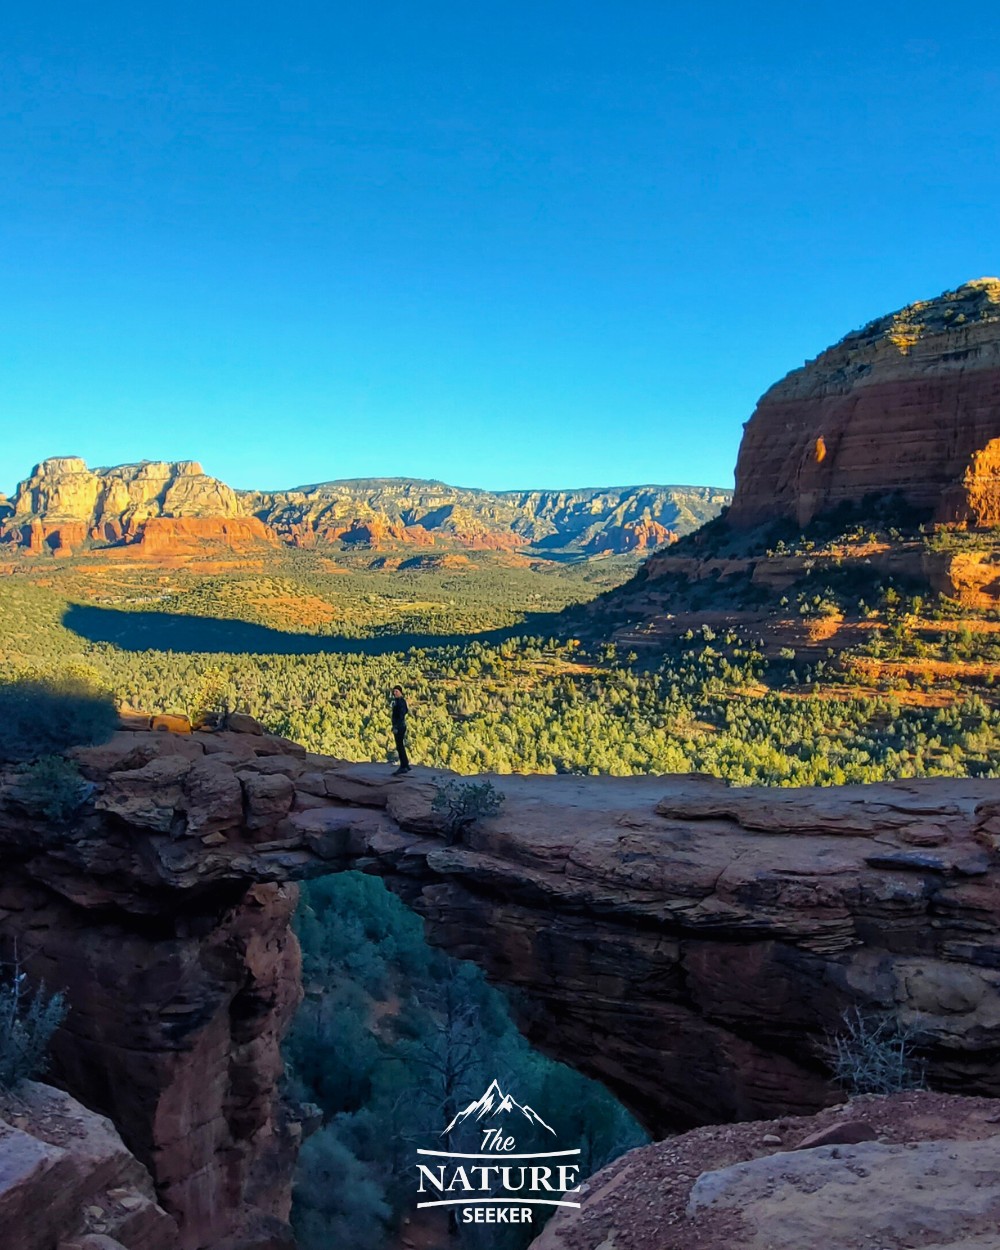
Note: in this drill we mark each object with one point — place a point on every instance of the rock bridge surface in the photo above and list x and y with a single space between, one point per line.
687 943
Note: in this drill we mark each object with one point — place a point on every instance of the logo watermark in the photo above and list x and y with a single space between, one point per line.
498 1183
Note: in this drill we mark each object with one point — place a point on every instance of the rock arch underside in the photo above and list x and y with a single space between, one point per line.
687 943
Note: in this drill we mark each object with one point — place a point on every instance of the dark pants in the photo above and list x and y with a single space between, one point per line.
400 737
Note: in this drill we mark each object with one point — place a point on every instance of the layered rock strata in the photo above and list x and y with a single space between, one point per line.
907 406
63 506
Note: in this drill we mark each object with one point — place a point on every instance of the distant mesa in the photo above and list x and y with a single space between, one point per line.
64 506
634 536
386 512
161 509
909 406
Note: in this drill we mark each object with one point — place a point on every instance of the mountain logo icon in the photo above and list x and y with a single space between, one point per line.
493 1103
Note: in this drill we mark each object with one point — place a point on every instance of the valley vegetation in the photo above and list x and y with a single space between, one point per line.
708 701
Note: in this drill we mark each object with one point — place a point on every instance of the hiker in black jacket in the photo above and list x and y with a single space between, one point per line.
399 710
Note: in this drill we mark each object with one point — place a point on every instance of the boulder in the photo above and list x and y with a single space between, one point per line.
66 1177
150 797
927 1183
213 796
931 1193
844 1133
268 798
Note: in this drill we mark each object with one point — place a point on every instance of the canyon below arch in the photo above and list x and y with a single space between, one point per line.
689 944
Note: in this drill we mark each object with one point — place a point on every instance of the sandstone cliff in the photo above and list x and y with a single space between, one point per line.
164 508
619 519
64 489
908 405
687 943
63 505
877 464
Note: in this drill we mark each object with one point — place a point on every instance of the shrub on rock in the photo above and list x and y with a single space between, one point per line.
28 1018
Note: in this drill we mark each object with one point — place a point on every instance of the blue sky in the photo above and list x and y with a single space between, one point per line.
507 245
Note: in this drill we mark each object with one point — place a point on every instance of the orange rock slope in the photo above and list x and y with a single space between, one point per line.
910 404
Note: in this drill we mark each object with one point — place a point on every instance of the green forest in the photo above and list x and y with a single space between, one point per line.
392 1039
707 701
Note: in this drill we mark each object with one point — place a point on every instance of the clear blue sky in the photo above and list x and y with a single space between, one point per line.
502 244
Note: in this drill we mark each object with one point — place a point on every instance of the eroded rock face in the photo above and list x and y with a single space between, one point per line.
687 943
157 506
633 536
176 1038
180 988
184 535
692 948
67 1180
174 1034
910 404
400 511
162 510
64 489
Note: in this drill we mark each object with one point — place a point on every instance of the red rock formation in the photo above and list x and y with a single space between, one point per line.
692 952
687 943
374 532
633 536
369 533
972 578
118 506
63 488
67 1180
168 508
182 535
180 993
910 404
174 1034
58 538
109 531
482 539
449 560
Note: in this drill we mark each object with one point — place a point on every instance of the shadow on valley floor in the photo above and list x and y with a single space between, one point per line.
44 715
168 631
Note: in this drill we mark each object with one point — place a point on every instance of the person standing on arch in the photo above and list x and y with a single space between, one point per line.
399 711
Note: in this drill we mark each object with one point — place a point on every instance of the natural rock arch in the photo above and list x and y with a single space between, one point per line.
684 942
